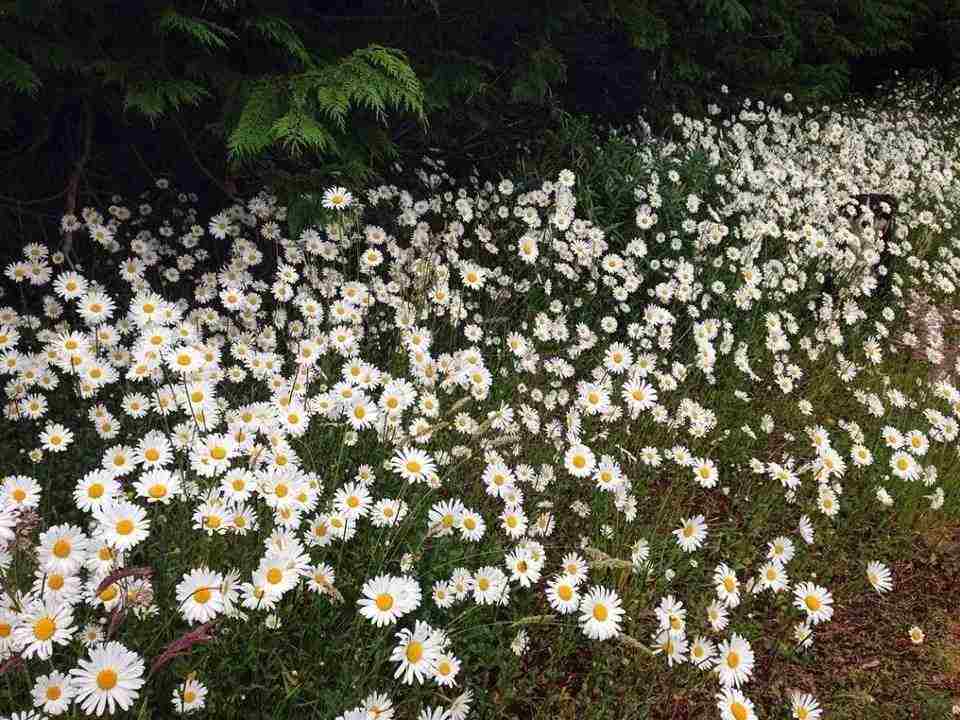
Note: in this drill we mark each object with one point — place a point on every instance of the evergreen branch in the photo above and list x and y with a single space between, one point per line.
154 97
17 73
209 35
254 131
283 34
298 131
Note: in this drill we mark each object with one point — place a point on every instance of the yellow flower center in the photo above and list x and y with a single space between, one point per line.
61 548
384 601
107 679
19 494
124 527
274 576
600 613
414 652
55 581
565 593
202 596
739 711
44 628
353 501
53 693
5 630
483 584
729 584
157 491
152 454
579 462
189 696
218 453
812 602
413 466
732 659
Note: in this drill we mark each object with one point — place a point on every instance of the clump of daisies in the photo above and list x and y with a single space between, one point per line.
448 403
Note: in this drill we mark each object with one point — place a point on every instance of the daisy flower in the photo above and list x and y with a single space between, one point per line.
41 625
562 594
816 601
917 635
804 706
337 198
717 616
705 473
157 486
123 524
879 577
727 585
702 652
417 654
691 533
600 613
20 491
55 438
413 465
579 461
198 595
62 549
385 600
446 669
53 693
781 550
472 525
112 677
489 585
734 661
190 696
904 466
734 705
673 647
772 577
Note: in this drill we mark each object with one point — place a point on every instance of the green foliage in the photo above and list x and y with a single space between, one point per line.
544 70
159 97
306 111
207 34
18 74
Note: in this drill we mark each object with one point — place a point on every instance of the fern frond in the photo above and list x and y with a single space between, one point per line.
207 34
17 73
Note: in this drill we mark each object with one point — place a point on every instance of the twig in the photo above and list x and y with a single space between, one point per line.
73 185
203 168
